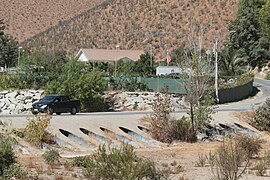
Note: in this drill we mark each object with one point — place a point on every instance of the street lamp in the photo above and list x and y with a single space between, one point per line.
116 58
19 55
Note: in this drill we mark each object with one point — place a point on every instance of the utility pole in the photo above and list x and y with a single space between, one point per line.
216 68
116 58
151 51
19 55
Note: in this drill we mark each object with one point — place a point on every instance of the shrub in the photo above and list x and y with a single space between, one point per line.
14 171
201 160
229 161
267 76
81 161
160 120
7 157
261 119
35 130
250 145
261 166
182 130
120 164
165 129
51 156
8 81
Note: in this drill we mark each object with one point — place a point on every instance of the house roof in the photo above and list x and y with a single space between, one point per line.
108 54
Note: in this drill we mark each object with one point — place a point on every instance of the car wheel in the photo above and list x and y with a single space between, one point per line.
50 110
58 113
34 112
73 111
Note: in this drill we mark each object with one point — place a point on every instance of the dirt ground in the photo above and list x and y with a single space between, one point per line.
179 158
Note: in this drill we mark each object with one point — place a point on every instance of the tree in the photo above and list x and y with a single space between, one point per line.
143 65
197 77
245 32
8 48
231 63
265 20
178 56
79 83
40 68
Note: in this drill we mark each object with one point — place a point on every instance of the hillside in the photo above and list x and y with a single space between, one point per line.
26 18
133 23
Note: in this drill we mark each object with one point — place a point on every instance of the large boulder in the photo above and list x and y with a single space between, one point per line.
12 94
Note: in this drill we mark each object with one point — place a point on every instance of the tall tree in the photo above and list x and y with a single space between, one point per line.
143 65
245 33
8 48
265 19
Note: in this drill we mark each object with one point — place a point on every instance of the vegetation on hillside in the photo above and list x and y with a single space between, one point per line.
26 18
154 26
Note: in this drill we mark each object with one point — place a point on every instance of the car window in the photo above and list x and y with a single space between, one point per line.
65 98
57 99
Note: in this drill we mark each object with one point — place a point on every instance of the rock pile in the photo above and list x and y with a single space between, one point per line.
131 101
18 101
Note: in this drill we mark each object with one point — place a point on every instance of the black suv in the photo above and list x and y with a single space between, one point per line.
56 103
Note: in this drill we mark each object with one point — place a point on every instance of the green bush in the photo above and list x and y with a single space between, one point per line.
7 157
81 161
127 83
51 156
120 164
35 130
261 119
8 81
80 83
14 171
267 76
40 68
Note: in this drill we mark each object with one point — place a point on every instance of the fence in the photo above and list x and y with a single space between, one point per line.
176 86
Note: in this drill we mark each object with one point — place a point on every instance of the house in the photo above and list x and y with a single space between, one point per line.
167 70
108 55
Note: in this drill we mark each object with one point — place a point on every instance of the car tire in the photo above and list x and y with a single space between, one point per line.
50 111
73 111
58 113
34 112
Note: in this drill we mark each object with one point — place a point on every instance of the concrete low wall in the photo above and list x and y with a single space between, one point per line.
236 93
